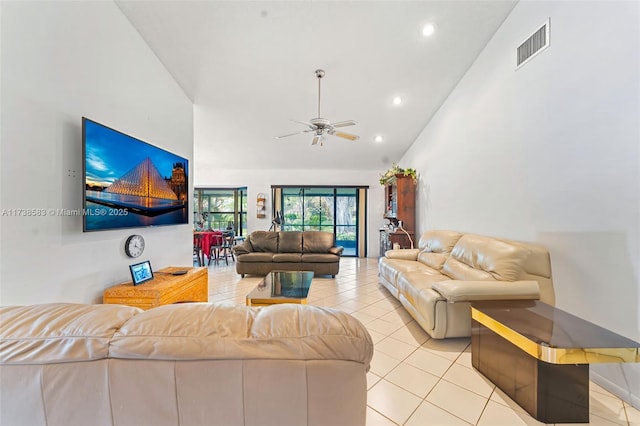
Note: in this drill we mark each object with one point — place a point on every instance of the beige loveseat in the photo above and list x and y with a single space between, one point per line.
266 251
436 281
186 364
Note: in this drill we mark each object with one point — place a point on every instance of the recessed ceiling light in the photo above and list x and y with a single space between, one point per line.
378 139
397 100
428 30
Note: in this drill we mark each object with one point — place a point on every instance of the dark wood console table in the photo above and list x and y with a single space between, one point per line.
539 355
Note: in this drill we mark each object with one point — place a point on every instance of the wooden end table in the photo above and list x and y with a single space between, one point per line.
163 289
539 355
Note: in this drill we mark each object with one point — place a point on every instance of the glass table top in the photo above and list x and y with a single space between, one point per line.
552 334
282 287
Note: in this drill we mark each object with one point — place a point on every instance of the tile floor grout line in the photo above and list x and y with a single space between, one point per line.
368 406
441 408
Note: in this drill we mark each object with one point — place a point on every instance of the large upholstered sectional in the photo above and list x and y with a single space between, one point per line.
437 281
185 364
266 251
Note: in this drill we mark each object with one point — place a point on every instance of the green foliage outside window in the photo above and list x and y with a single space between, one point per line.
216 209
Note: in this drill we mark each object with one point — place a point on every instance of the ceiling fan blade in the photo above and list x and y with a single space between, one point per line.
291 134
309 125
347 136
344 123
315 140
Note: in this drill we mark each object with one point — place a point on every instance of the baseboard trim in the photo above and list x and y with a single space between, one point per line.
620 392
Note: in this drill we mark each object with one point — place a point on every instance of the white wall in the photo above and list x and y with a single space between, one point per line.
60 61
551 153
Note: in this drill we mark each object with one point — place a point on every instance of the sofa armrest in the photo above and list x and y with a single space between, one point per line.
337 250
468 291
243 248
403 254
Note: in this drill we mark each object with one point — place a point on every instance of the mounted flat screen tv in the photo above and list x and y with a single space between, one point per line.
129 183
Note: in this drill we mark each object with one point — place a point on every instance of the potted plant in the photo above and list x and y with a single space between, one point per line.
390 175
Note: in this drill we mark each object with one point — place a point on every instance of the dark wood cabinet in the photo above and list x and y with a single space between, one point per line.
400 197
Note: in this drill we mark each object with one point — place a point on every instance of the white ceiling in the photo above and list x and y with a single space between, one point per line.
249 69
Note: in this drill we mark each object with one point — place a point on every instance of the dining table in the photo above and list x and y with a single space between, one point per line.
207 239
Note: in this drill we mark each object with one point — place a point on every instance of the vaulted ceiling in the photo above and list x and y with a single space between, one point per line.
249 69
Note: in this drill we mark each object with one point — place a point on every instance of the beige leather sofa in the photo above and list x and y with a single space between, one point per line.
266 251
185 364
437 281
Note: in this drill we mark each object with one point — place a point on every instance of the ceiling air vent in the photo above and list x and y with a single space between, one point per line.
533 45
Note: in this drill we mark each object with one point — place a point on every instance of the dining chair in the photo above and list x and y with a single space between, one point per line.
217 247
197 249
229 238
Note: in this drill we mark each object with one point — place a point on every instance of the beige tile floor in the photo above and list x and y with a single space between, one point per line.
414 380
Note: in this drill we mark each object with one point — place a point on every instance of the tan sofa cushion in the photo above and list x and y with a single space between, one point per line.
59 332
199 331
438 241
404 254
290 242
287 257
480 258
391 269
259 257
264 241
319 258
435 247
316 242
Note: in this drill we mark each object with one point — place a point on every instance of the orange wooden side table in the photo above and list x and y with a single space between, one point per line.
164 289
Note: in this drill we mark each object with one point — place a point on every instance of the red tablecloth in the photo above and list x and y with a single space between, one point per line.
209 238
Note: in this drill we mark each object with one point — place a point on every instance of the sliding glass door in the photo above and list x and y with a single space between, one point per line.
330 209
347 219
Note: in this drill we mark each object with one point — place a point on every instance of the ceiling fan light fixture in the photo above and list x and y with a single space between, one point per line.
428 30
321 126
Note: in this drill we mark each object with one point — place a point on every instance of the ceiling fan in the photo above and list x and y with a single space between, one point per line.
321 126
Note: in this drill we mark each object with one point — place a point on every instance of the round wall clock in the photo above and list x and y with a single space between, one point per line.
134 246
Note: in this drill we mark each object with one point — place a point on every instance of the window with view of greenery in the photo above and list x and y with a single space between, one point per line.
220 208
330 209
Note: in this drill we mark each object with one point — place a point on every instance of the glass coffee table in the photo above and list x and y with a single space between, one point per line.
281 287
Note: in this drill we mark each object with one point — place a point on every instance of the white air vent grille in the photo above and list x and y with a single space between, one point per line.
533 45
